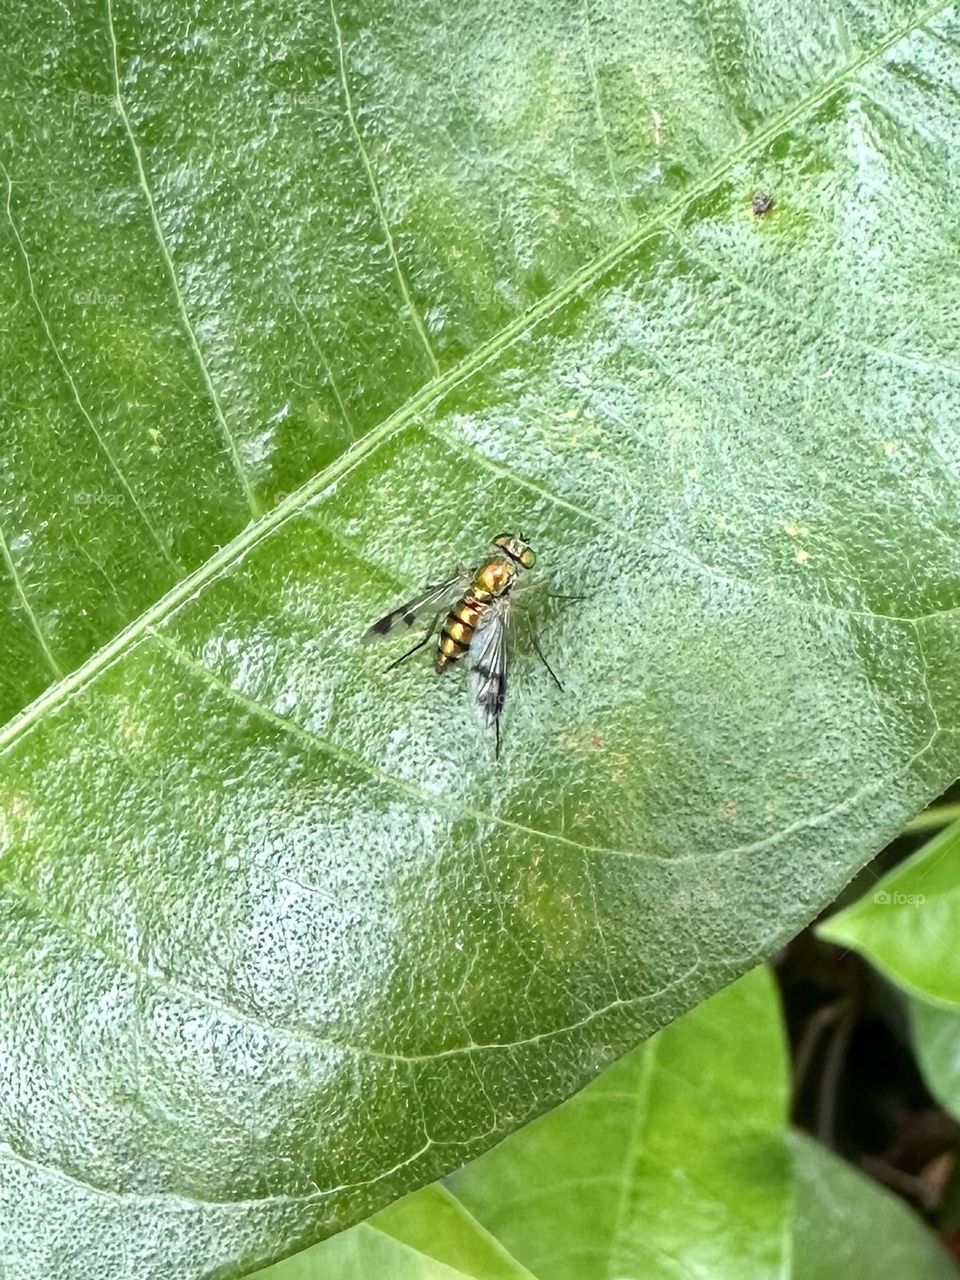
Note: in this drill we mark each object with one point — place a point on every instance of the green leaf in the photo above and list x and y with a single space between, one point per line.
908 924
280 941
936 1035
677 1161
673 1156
846 1225
671 1162
429 1235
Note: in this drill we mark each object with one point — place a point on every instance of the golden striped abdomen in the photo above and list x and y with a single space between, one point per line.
490 581
458 630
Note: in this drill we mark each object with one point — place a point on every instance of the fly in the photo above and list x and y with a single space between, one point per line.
476 609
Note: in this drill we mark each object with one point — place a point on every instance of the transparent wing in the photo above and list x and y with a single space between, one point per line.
488 662
437 596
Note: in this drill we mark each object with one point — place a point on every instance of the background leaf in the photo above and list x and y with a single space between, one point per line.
847 1225
280 942
907 925
908 928
936 1034
676 1161
673 1156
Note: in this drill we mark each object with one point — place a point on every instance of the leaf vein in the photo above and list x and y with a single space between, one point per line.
598 111
101 440
316 741
295 303
375 192
634 1146
771 302
430 394
770 593
461 446
228 435
28 607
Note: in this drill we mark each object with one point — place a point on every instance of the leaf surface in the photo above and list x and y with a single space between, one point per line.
281 942
907 926
676 1162
847 1225
936 1035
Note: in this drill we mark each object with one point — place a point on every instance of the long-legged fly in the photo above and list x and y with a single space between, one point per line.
476 608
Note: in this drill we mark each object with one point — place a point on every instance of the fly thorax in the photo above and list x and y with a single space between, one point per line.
494 578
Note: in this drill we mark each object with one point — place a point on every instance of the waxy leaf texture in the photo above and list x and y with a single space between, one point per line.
305 305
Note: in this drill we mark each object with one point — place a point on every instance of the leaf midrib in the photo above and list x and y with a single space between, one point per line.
429 394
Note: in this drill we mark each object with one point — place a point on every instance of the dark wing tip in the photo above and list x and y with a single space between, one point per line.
379 628
491 693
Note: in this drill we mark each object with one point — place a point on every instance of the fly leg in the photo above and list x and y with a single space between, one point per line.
536 644
430 633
